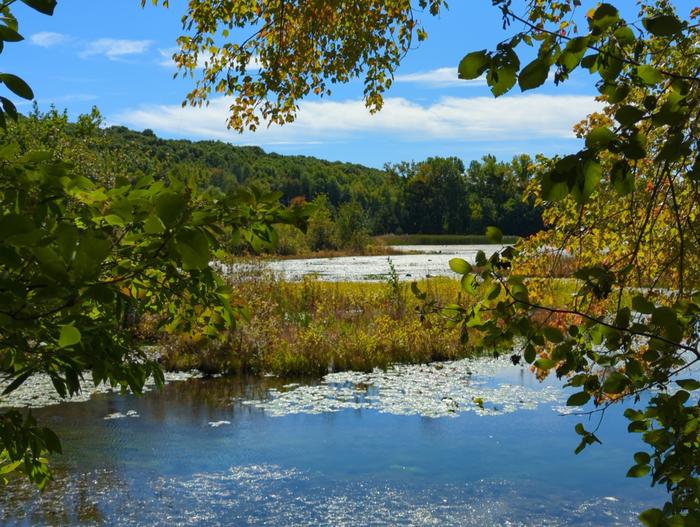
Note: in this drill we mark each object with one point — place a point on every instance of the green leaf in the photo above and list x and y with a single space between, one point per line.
642 305
545 364
43 6
589 62
53 444
600 137
553 334
460 266
578 399
473 65
635 147
9 35
618 93
641 458
664 316
609 67
17 86
534 74
688 384
169 207
501 81
615 383
587 182
622 178
503 71
662 25
17 382
638 471
573 53
652 518
114 220
649 74
194 249
553 190
153 225
467 283
67 240
628 115
625 35
633 415
9 107
529 354
495 291
603 17
674 148
494 234
70 335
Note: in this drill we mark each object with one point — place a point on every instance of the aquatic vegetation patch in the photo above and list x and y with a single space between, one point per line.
120 415
217 424
444 389
38 391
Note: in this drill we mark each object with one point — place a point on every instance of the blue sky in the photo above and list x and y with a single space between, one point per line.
115 55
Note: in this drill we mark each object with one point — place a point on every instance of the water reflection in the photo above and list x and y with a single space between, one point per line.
169 466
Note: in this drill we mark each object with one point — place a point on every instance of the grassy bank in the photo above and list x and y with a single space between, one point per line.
438 239
312 327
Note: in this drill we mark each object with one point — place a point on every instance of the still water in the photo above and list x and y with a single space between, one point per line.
476 442
428 260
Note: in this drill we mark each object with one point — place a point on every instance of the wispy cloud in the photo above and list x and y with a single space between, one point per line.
166 57
71 97
115 49
47 39
516 118
440 77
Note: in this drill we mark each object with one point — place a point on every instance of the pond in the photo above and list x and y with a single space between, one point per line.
426 261
466 443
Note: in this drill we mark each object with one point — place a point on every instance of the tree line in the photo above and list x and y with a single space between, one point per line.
435 196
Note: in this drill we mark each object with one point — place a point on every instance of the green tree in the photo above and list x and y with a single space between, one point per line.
436 196
496 194
320 232
351 228
82 252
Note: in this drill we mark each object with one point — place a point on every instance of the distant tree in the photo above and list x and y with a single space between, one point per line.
321 229
351 228
436 196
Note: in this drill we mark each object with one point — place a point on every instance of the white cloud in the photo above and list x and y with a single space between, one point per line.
458 119
47 39
115 49
166 59
440 77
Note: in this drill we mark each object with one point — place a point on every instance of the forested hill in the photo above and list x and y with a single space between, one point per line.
231 165
436 196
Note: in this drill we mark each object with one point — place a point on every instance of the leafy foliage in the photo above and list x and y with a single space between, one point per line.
299 48
436 196
623 208
623 212
84 255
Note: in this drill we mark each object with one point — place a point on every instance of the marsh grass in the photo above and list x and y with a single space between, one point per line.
311 327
